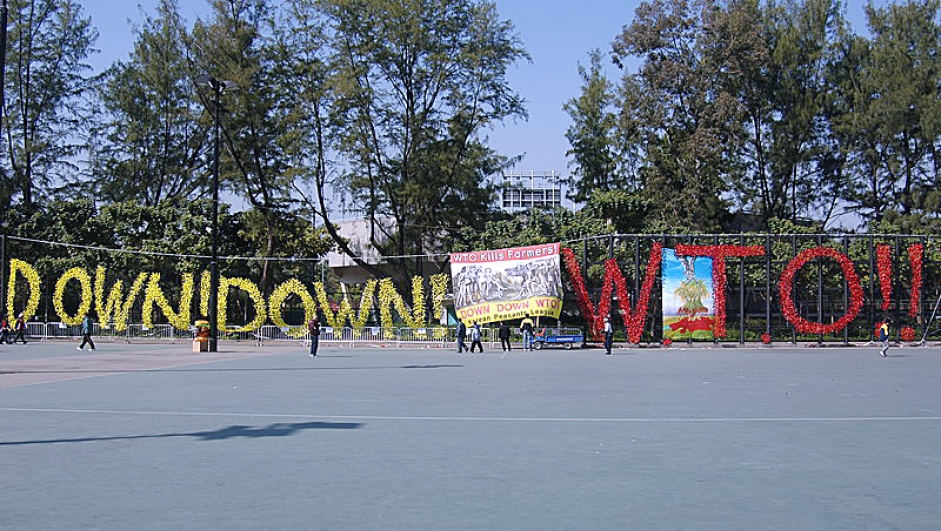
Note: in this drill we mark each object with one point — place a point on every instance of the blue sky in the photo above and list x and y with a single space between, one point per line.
558 34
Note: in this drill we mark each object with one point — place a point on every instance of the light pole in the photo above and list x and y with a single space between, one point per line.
4 16
218 87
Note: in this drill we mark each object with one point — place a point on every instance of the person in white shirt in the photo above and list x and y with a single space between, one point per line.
608 335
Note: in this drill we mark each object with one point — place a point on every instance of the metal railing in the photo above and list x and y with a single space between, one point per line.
268 334
271 335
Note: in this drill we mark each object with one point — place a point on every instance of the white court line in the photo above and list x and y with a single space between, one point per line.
613 420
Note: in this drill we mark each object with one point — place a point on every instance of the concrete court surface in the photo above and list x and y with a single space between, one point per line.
154 437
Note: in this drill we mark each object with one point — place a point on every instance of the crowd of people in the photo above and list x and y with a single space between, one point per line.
16 332
527 329
10 334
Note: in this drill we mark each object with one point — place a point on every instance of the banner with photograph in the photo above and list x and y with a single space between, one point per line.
687 297
507 284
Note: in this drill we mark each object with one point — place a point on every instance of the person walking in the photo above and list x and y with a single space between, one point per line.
86 333
527 327
608 335
504 335
884 338
20 329
313 329
461 337
475 338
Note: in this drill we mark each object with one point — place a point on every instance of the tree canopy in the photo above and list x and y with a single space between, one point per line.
720 116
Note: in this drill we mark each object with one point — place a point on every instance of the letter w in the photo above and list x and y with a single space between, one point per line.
634 317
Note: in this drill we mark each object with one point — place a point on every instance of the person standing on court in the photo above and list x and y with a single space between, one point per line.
608 335
884 338
527 327
313 329
86 333
504 335
461 336
475 338
20 329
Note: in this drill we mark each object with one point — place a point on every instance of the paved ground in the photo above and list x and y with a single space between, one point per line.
154 437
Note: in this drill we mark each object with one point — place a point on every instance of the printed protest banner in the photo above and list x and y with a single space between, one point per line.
687 297
506 284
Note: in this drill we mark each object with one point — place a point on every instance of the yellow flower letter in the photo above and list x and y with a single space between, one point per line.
115 303
84 306
389 298
253 292
154 295
280 294
32 281
439 290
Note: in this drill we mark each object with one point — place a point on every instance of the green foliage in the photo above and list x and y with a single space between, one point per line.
773 112
147 146
592 134
294 235
781 84
681 122
894 124
43 114
410 108
621 211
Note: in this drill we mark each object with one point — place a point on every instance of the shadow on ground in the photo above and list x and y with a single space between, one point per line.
232 369
231 432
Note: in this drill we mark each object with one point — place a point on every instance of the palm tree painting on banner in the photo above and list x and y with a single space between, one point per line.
687 297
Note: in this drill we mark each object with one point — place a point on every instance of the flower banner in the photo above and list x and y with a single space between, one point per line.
634 317
507 284
489 286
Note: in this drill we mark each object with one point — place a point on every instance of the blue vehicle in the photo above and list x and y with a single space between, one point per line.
567 338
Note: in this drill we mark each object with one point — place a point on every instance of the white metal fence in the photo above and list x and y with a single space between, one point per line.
270 334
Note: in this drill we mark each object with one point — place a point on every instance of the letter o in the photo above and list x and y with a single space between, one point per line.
786 287
84 305
281 293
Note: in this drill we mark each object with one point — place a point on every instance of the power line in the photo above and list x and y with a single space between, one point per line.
170 255
207 257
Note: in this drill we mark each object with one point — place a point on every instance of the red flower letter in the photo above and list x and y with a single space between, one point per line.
634 318
916 254
884 268
718 254
786 286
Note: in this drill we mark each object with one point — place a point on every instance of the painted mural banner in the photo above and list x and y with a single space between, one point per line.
688 310
507 284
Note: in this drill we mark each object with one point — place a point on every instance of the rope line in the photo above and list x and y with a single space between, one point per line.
382 258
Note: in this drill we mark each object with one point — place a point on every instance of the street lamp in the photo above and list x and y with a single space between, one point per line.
218 88
3 55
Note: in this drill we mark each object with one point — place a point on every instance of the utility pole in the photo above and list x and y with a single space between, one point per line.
218 87
4 16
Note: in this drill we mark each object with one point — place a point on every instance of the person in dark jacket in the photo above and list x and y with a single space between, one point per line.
504 335
313 328
461 336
